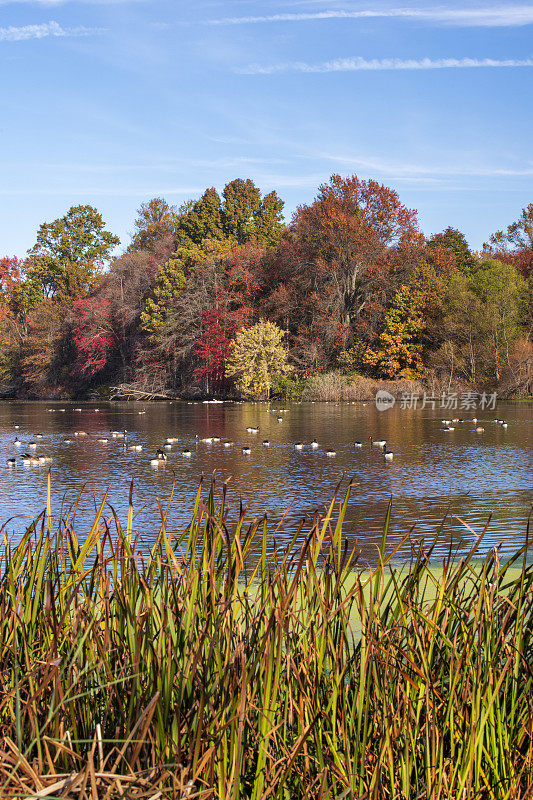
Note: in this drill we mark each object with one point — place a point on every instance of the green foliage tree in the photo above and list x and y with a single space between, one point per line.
256 358
69 253
501 292
240 216
171 279
455 242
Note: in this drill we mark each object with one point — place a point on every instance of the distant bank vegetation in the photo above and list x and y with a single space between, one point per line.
221 297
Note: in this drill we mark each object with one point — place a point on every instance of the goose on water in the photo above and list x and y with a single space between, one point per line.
246 450
101 440
331 453
298 446
186 453
314 444
377 442
136 447
252 430
11 462
228 444
33 445
448 428
266 443
160 458
358 444
480 430
388 455
17 442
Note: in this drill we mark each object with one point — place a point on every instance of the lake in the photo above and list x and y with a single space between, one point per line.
434 474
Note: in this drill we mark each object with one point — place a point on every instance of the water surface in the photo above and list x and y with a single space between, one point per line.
433 476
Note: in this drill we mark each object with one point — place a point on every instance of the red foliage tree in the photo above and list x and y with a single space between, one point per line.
218 327
93 339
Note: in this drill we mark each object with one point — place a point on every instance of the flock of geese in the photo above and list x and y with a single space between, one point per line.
161 457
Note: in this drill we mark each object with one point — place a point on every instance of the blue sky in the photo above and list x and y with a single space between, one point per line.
113 102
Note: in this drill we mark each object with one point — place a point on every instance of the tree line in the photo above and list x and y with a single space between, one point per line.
221 296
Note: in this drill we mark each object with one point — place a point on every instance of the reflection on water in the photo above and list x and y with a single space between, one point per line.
433 475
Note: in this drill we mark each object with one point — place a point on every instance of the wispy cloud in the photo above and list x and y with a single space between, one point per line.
63 2
43 31
502 16
421 171
358 64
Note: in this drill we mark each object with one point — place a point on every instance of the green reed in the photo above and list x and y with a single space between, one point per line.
188 673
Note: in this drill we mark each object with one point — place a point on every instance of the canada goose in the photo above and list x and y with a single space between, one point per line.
387 454
298 446
11 462
474 420
102 440
17 427
80 433
228 444
160 458
136 447
246 449
141 412
314 444
28 459
118 434
266 443
186 453
167 446
331 452
252 430
480 430
377 442
44 459
171 440
280 419
216 438
208 439
448 428
503 423
17 442
358 444
38 436
446 421
32 445
69 441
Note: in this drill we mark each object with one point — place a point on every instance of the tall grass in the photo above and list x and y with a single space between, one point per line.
186 673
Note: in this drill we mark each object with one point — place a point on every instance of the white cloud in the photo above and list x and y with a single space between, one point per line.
422 171
43 31
358 64
502 16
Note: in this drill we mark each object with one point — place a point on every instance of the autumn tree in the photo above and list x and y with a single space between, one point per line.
257 356
402 343
351 234
217 328
155 222
70 252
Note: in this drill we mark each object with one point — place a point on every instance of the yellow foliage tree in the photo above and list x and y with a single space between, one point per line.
400 351
257 356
